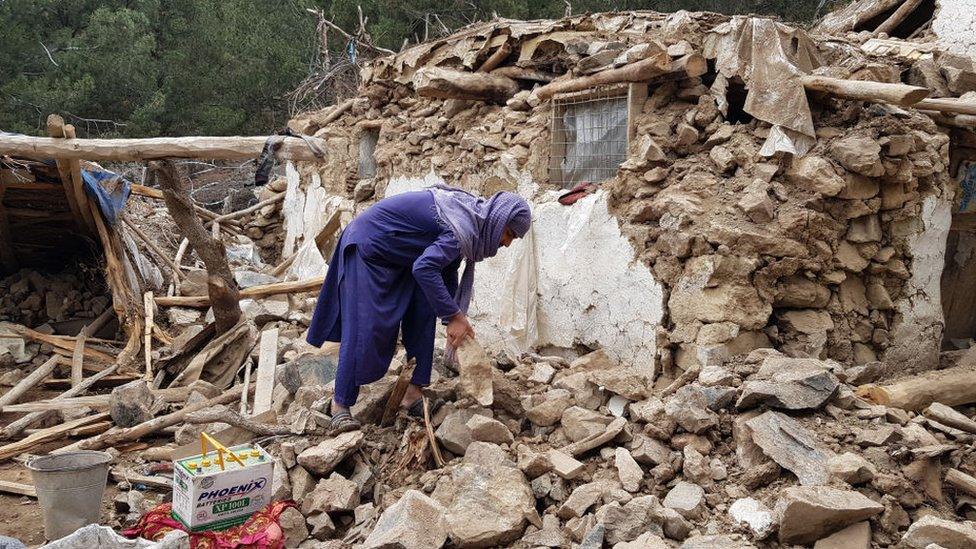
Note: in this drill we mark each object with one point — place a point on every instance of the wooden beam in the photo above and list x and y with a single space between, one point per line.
642 71
254 292
78 360
18 426
865 90
55 128
961 481
948 416
18 489
951 387
267 361
26 384
444 83
47 435
899 15
60 343
947 104
100 402
132 150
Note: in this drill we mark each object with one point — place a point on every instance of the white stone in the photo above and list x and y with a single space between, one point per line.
757 516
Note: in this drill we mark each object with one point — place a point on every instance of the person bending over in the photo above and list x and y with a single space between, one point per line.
395 269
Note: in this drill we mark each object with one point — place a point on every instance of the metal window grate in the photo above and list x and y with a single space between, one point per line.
589 136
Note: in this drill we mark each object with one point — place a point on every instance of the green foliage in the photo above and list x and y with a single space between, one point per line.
216 67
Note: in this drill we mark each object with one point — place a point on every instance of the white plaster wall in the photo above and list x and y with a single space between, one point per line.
917 335
955 25
590 289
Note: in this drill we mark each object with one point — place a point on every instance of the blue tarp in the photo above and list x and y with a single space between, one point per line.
110 190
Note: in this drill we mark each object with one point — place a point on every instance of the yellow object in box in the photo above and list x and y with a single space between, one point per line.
222 487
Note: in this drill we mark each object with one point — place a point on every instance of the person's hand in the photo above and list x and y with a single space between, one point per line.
458 328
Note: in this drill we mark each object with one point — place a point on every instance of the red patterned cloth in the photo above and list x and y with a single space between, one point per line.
261 531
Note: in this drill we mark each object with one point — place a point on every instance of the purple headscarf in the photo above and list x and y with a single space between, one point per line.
478 224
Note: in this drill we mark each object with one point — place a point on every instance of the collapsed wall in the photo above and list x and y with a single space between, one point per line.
821 235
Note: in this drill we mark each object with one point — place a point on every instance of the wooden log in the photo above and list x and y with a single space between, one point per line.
47 435
331 116
108 382
951 387
267 361
254 292
118 436
241 213
899 15
691 65
18 426
947 104
223 415
17 488
98 402
961 481
132 150
221 285
443 83
947 416
149 306
55 128
133 478
496 57
521 73
864 90
642 71
28 382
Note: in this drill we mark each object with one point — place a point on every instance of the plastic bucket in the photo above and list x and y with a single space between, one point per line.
69 488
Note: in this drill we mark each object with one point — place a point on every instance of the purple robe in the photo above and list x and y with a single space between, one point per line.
394 270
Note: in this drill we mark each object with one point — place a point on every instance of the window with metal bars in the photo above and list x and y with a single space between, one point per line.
589 136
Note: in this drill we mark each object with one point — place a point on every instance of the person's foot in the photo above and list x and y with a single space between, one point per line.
342 420
410 396
335 408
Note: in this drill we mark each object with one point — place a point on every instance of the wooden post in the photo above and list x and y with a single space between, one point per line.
149 305
443 83
221 286
267 361
951 387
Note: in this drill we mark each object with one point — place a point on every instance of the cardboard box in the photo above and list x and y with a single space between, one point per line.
208 498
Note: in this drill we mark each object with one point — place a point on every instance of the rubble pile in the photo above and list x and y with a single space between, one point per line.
35 298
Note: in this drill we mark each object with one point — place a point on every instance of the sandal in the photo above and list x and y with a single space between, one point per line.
417 408
343 422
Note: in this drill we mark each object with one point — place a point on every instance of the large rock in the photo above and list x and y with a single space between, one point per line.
851 468
486 429
131 404
859 154
716 288
628 471
627 382
491 499
551 409
579 423
454 432
687 499
945 533
306 370
292 523
322 459
689 409
582 498
816 173
330 495
789 384
792 446
855 536
415 521
808 513
628 521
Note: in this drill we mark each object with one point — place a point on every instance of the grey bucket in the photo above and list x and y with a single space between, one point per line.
69 488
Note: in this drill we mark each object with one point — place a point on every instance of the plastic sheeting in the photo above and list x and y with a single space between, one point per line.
769 58
104 537
518 314
110 191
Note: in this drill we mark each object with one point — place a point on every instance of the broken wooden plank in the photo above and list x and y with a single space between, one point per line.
267 363
47 435
107 382
149 307
17 488
60 343
133 478
225 415
254 292
78 360
865 90
129 150
18 426
241 213
99 402
30 381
